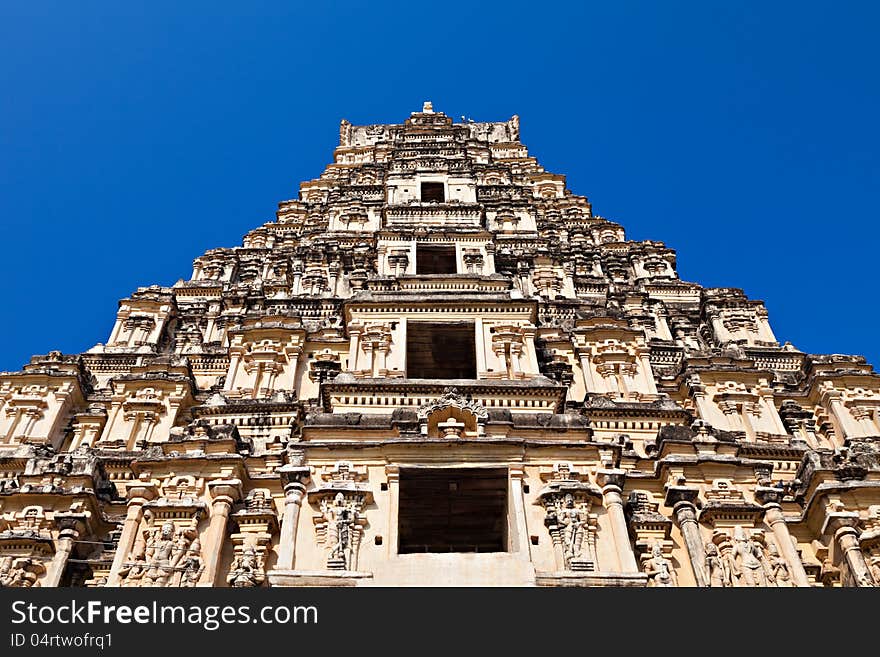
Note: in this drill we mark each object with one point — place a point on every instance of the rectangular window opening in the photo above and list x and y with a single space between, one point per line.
433 191
453 510
436 259
441 351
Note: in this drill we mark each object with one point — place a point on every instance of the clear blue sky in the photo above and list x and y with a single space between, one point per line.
136 135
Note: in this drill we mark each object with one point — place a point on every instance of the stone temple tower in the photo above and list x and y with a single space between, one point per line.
438 366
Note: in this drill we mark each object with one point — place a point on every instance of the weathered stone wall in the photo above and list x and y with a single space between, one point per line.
248 427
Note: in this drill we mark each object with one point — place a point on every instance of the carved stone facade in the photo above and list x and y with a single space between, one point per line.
438 366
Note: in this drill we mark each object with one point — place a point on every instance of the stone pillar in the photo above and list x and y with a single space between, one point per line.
392 473
770 498
70 525
684 510
846 534
520 544
293 477
354 332
612 481
235 355
644 356
224 492
586 370
138 494
849 428
531 356
480 346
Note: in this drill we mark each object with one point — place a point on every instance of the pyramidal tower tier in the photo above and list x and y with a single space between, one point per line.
438 366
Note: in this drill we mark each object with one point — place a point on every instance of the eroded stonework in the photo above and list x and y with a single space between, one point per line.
438 366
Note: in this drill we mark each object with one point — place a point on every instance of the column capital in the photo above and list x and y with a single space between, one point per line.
294 476
769 495
681 495
70 525
225 490
141 492
841 522
611 478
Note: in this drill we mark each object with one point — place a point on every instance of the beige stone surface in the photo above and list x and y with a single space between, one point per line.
288 416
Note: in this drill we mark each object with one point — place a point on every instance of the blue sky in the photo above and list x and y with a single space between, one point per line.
136 135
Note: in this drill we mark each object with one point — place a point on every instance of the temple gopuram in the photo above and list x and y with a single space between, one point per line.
437 366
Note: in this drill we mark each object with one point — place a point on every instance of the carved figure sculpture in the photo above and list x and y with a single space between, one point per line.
192 565
340 517
749 561
659 568
779 571
572 520
717 569
18 573
246 571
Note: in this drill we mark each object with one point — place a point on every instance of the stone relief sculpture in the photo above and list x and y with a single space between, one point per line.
750 565
779 570
659 568
567 500
192 565
302 331
160 555
19 572
340 516
571 521
718 572
247 570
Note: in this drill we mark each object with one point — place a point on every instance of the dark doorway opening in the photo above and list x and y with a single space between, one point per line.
436 259
433 191
441 351
453 510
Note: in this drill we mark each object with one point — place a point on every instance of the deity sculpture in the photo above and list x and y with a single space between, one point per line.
659 568
779 571
340 517
192 565
874 566
18 573
246 571
570 520
750 564
717 568
155 560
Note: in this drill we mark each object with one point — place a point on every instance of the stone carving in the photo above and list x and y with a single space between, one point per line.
341 526
340 522
298 341
162 553
779 573
659 568
20 572
567 500
749 564
247 570
718 573
192 565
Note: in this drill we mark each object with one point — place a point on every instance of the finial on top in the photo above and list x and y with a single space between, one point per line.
427 107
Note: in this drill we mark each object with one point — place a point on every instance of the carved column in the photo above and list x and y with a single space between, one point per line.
293 477
682 500
138 494
520 544
392 474
224 492
770 498
70 525
846 534
586 370
612 486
